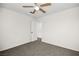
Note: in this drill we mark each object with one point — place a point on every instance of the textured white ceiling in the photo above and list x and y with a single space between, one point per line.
55 7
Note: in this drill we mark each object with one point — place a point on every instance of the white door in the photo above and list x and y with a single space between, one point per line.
39 29
33 31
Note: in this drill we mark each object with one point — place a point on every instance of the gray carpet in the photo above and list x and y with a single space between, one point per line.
38 48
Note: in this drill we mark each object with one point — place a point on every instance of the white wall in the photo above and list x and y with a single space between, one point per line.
14 29
62 28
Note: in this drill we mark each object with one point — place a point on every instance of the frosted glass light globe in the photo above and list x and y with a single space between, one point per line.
36 8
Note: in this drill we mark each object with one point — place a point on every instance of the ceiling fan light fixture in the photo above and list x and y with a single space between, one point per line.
36 8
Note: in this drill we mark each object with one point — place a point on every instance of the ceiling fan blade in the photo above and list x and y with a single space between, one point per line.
42 10
33 11
46 4
27 6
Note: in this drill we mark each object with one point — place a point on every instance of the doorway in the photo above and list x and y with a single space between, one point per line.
36 30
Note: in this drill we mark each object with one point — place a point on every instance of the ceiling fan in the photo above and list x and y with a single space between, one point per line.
38 7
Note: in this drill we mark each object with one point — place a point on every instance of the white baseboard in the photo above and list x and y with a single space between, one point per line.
60 46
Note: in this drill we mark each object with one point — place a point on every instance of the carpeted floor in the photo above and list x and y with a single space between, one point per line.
38 48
